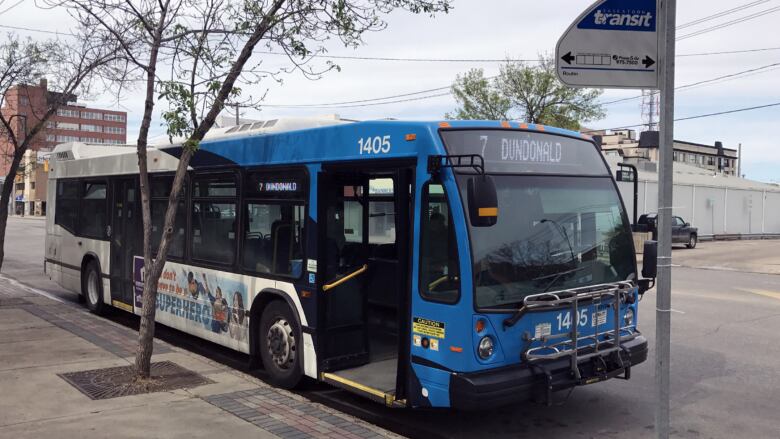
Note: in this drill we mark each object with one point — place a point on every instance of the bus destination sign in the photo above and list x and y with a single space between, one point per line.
505 151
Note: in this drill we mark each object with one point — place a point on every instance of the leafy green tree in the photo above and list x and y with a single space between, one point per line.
529 93
69 67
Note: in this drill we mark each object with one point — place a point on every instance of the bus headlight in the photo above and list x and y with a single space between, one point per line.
628 317
485 349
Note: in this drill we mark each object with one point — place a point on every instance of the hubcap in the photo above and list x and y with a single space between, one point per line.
92 287
281 344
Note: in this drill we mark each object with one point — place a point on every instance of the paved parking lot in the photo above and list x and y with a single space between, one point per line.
725 377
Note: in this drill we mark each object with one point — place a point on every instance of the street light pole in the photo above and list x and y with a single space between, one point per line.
665 190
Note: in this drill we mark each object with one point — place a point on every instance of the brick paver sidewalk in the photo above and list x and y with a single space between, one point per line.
275 411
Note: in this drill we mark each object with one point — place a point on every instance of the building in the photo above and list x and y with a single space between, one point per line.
29 194
624 143
717 203
72 122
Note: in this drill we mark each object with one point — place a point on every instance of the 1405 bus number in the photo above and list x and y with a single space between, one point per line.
374 145
597 319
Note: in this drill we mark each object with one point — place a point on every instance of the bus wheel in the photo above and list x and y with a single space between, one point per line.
280 345
92 288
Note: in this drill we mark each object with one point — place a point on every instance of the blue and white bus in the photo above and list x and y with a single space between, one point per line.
455 264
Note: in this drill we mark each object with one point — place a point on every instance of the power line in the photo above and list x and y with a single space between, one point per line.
361 105
384 58
706 81
453 60
728 24
728 52
721 14
331 104
29 29
11 7
698 116
394 98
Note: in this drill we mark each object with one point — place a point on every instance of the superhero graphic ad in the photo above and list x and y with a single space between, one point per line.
207 303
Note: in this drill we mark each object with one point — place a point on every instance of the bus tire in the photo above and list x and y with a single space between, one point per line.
280 345
92 288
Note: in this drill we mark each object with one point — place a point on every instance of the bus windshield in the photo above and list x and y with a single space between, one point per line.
558 231
552 233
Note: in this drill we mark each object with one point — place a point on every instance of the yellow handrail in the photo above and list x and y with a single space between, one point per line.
439 281
334 284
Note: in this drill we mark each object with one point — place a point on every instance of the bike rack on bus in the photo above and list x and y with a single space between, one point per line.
601 342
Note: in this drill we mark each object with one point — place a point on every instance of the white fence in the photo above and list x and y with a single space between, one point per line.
715 210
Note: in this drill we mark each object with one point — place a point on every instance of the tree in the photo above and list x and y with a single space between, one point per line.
68 66
530 93
206 48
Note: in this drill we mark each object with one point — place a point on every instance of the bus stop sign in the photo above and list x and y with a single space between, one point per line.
613 44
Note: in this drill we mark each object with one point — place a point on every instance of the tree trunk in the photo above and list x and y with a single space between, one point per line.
152 269
5 197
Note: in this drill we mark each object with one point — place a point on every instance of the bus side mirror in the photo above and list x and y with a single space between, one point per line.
649 266
650 260
483 201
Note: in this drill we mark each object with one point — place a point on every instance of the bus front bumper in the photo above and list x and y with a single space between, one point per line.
498 387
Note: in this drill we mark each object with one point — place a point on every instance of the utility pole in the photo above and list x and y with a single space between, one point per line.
739 162
668 11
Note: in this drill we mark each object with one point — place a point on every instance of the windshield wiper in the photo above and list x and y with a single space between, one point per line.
562 231
512 321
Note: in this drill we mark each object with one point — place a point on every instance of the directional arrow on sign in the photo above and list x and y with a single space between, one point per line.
568 58
648 62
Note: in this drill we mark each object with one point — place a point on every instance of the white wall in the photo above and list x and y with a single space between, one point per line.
713 209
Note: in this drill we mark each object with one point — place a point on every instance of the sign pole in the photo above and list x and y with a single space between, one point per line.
668 11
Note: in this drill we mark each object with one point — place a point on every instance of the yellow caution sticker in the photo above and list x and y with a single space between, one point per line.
431 328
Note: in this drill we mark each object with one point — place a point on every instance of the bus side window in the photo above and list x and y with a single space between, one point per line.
67 205
439 269
160 189
273 238
214 218
92 223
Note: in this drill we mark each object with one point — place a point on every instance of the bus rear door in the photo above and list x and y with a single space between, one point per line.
125 229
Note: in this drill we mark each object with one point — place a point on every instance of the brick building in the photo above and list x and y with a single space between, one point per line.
25 105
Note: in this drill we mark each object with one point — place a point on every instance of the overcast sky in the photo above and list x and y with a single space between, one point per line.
519 29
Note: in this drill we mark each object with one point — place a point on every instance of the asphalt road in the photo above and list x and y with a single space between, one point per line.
725 357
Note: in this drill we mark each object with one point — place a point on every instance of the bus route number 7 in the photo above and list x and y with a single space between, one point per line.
374 145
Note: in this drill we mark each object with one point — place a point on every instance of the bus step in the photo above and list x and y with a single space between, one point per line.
382 397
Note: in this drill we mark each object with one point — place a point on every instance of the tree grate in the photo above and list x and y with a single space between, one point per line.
113 382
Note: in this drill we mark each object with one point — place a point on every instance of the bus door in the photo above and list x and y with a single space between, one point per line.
342 266
125 223
364 224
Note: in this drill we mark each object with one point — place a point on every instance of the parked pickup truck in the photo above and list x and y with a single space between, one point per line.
682 232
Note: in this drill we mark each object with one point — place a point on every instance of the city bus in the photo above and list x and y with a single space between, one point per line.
464 264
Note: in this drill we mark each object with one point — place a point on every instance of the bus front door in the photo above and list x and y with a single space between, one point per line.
342 269
363 267
124 231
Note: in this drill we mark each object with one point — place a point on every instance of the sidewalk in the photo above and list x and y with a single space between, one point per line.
30 217
41 338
